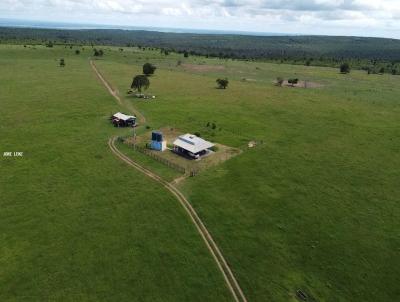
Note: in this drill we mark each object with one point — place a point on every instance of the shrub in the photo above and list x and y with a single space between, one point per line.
148 69
98 53
222 83
345 68
293 81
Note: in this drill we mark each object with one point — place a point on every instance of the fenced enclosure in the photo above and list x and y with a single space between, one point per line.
187 166
160 159
170 164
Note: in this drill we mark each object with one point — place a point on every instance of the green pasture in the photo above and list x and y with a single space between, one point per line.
313 207
77 224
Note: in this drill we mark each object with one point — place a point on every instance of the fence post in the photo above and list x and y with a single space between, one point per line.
162 160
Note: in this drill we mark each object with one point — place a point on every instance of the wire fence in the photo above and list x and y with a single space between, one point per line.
187 170
168 163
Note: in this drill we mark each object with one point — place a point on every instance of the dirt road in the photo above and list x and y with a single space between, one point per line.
115 94
223 266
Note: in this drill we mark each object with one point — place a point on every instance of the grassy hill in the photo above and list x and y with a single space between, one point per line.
313 207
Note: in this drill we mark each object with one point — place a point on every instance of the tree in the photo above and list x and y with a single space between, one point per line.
164 51
222 83
279 81
148 69
140 82
293 81
382 70
62 63
98 53
185 54
345 68
77 52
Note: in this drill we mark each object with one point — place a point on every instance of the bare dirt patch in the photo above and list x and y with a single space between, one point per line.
203 68
302 84
248 80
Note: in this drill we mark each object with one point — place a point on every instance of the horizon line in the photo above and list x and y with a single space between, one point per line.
64 25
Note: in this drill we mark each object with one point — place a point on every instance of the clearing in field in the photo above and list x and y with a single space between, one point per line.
301 84
218 155
202 67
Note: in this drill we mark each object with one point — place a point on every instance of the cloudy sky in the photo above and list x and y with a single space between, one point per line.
332 17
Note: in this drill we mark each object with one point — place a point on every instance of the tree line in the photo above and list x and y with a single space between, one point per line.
363 53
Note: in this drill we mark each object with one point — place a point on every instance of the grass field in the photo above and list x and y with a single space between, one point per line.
75 223
315 207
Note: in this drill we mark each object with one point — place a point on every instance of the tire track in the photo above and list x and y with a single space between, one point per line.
114 93
222 264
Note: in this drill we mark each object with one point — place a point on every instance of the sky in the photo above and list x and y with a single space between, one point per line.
379 18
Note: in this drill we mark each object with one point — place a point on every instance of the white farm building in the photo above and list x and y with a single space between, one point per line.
192 145
122 120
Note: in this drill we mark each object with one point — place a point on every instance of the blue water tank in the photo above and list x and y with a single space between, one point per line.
157 141
157 136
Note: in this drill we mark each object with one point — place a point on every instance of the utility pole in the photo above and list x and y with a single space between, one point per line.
134 136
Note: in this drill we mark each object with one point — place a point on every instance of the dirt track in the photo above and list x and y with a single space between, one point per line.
115 94
223 266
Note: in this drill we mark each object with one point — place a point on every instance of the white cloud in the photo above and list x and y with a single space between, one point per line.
356 17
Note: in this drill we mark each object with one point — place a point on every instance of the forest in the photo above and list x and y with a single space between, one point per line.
372 54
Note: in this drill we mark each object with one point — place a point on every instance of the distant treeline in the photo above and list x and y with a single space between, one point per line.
309 50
